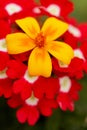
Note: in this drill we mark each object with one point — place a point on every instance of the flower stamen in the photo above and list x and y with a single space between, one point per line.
40 40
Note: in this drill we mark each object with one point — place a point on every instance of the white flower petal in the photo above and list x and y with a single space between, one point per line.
32 101
3 74
54 10
78 53
13 8
30 79
3 46
74 31
65 84
37 10
62 65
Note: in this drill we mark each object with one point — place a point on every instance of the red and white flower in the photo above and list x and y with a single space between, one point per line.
30 109
4 57
55 8
15 9
5 84
68 93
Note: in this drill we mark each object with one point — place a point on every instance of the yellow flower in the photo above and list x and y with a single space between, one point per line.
41 42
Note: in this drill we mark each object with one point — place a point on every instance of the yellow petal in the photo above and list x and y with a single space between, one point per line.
39 63
30 26
61 51
18 43
53 28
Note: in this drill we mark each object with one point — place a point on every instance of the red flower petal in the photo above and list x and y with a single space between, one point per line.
65 102
6 87
4 58
14 101
4 28
21 115
16 69
23 87
33 116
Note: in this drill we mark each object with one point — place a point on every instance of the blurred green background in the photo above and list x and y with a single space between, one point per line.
60 120
80 10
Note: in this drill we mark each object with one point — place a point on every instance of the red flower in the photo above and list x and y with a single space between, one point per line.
74 34
65 102
23 57
83 48
77 65
56 8
5 85
4 29
4 57
16 69
28 113
85 66
46 106
68 93
46 86
3 60
24 85
15 9
39 85
74 69
83 29
31 108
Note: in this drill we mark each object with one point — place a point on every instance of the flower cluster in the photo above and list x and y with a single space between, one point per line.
43 54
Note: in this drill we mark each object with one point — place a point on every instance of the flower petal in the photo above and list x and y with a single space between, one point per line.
18 43
61 51
30 26
39 63
53 28
33 116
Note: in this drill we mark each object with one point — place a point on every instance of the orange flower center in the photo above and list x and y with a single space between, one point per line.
40 40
